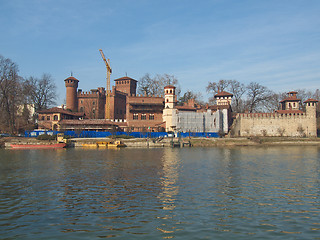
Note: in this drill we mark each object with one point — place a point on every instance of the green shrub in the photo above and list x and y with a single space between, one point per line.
47 137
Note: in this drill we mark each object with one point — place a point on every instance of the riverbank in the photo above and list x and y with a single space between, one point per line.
167 142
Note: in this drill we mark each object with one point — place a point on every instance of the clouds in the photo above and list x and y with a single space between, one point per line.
275 43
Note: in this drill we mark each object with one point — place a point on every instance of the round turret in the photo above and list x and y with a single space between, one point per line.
71 84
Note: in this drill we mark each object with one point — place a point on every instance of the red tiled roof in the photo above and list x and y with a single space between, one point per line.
125 78
310 100
87 122
223 94
186 108
71 78
169 86
293 98
60 110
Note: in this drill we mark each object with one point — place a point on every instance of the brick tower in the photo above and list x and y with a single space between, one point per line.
71 95
126 85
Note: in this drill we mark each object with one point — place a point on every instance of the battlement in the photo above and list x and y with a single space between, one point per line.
91 94
145 96
271 115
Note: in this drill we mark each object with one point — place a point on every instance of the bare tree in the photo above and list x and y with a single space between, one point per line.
152 86
257 97
42 92
9 93
191 95
238 90
215 87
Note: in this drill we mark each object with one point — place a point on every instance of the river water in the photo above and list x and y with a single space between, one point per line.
164 193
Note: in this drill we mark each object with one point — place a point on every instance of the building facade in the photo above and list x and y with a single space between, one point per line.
195 118
288 121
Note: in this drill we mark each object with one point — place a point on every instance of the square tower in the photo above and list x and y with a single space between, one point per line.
126 85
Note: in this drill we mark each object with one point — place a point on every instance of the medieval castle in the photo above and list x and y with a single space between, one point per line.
130 112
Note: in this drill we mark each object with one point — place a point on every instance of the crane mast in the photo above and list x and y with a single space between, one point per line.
109 71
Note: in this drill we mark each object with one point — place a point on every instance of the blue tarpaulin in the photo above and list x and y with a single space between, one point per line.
94 134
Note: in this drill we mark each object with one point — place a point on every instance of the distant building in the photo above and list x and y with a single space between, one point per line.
288 121
51 118
195 118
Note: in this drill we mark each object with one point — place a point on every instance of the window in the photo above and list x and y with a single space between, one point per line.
55 117
81 109
135 116
143 116
151 117
42 118
93 103
48 118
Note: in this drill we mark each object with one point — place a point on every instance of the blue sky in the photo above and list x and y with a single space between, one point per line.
273 42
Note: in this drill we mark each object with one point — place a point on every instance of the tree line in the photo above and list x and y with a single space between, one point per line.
18 94
252 97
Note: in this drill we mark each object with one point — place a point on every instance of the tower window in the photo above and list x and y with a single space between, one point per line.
143 116
135 116
151 117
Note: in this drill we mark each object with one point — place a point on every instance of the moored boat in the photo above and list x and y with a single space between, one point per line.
37 146
116 144
89 145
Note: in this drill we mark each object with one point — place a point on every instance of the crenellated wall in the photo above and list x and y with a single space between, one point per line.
274 124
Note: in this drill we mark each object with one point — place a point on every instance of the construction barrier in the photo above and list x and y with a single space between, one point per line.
95 134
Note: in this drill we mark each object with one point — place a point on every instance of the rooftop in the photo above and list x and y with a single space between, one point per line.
60 110
223 94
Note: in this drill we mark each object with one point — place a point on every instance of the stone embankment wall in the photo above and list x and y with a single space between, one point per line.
274 124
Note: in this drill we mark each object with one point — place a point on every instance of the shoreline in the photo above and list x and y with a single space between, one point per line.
166 142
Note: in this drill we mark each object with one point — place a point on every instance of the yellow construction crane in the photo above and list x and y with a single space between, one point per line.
109 71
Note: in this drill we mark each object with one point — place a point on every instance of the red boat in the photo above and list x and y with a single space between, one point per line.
37 146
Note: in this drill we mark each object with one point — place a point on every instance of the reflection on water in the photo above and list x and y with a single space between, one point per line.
190 193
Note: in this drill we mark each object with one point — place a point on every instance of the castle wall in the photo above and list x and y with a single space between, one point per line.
92 104
274 124
118 102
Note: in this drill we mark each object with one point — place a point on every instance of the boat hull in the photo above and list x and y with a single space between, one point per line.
38 146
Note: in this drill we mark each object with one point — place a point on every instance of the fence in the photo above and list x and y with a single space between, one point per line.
94 134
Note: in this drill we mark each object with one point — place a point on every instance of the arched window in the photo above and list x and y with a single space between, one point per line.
55 117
